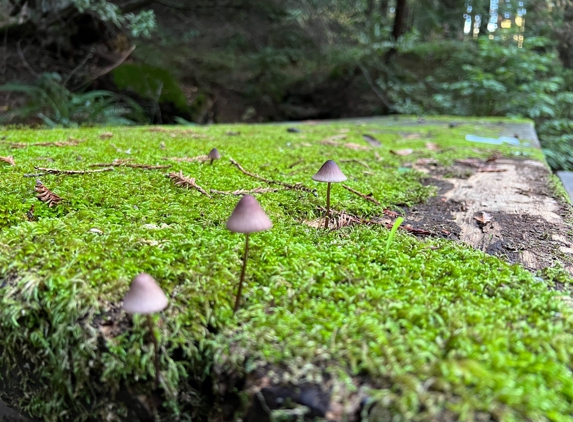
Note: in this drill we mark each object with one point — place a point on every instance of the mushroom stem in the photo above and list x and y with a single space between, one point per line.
155 347
212 161
240 291
327 206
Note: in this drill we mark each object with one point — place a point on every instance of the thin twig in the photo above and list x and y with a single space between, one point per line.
57 171
200 158
362 195
21 54
297 186
245 191
188 182
34 174
296 163
109 68
122 163
374 88
79 66
354 160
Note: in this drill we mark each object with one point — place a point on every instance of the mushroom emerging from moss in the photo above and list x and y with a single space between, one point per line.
214 155
146 297
247 217
329 173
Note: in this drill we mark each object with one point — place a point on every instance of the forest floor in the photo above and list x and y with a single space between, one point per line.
463 315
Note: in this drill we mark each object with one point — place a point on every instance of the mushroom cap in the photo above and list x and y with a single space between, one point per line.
144 296
330 173
214 154
248 217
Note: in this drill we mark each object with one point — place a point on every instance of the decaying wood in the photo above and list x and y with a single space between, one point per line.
187 182
297 186
368 197
9 160
245 191
511 213
71 172
46 195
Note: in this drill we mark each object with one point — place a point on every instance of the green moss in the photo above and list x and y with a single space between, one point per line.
432 326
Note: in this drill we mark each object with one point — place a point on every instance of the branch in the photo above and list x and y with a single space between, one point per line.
374 88
70 172
297 186
362 195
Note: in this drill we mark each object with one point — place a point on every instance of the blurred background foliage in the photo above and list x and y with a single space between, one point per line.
78 62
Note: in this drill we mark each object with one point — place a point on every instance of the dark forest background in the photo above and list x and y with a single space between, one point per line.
85 62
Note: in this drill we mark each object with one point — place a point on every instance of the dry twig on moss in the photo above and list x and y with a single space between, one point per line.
124 163
46 195
369 197
354 160
57 171
245 191
296 186
187 182
200 158
9 160
71 142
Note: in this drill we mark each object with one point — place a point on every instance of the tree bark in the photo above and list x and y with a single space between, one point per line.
399 28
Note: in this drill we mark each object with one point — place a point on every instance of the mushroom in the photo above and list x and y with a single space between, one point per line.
329 173
146 297
247 217
214 155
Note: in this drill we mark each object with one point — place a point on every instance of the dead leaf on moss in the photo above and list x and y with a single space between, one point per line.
408 136
484 218
371 140
426 161
472 162
402 152
432 146
305 144
96 231
9 160
356 146
333 140
105 135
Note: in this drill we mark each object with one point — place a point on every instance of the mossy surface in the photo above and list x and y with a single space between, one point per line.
436 329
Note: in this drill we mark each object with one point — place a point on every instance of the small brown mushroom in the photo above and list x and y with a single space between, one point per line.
247 217
146 297
329 173
214 155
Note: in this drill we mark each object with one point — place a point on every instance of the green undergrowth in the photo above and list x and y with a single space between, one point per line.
432 329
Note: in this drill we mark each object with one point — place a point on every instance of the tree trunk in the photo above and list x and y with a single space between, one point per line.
400 19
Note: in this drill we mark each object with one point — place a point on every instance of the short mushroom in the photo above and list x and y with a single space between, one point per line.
329 173
146 297
247 217
214 155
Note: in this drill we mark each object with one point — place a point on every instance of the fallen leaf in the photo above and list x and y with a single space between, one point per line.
432 146
332 140
356 146
484 218
403 152
372 140
105 135
426 161
96 231
305 144
391 214
411 136
9 160
230 133
293 130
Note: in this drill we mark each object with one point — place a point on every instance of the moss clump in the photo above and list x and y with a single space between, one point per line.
436 328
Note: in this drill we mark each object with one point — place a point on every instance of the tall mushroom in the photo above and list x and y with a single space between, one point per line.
247 217
146 297
329 173
214 155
